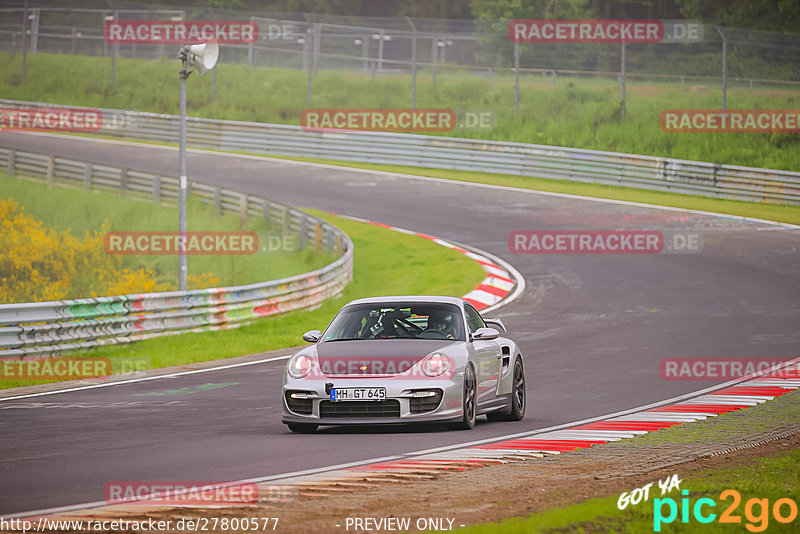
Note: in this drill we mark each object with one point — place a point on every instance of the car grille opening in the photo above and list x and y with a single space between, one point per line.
299 406
425 404
359 409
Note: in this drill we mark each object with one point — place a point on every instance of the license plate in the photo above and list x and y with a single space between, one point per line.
358 394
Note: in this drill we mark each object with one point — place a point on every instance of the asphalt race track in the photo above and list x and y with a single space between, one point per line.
593 329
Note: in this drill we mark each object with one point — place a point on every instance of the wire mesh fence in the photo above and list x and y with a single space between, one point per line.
402 45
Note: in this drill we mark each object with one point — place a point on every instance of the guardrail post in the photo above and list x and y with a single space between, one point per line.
265 211
329 238
157 189
12 154
87 176
243 208
317 235
51 167
303 230
217 201
284 220
123 181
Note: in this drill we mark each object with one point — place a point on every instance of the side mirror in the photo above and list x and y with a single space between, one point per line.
497 324
312 336
485 334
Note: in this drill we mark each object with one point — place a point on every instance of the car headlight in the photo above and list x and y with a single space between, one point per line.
435 364
300 366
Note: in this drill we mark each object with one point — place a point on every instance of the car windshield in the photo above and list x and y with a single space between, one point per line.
413 320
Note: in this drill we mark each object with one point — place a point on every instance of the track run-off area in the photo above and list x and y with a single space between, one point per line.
594 330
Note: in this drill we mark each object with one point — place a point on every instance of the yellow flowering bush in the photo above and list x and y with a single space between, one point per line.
204 280
38 263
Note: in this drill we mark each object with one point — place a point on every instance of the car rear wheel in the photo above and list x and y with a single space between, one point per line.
518 400
469 401
303 428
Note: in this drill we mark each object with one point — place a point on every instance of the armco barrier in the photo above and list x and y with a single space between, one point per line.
590 166
45 328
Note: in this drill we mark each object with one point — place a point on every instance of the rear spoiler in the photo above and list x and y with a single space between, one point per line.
496 324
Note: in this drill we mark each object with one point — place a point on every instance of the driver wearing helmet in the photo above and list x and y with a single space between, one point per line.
442 322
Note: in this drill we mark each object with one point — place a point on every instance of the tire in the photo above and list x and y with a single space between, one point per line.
303 428
469 401
518 400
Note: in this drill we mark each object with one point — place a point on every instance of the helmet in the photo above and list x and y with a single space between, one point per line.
441 320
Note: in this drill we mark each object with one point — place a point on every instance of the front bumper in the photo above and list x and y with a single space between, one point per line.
399 391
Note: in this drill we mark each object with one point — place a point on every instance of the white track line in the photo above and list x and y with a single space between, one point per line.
148 378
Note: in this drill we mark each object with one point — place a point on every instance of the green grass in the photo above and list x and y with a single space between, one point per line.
580 113
764 478
386 263
80 210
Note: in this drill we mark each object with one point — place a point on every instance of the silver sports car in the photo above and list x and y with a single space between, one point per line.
405 360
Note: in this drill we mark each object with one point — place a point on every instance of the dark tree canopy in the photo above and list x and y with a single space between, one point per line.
771 15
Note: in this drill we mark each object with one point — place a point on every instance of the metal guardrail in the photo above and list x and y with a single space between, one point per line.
520 159
47 328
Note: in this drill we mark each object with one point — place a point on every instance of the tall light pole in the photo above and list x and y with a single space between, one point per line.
202 58
114 50
24 40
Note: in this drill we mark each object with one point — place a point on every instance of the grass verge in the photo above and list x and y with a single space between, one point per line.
424 268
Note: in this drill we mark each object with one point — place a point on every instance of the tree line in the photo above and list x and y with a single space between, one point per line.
769 15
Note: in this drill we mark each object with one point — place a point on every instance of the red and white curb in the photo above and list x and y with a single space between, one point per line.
729 397
501 285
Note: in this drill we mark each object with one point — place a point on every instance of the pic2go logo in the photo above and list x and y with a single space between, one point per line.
756 511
